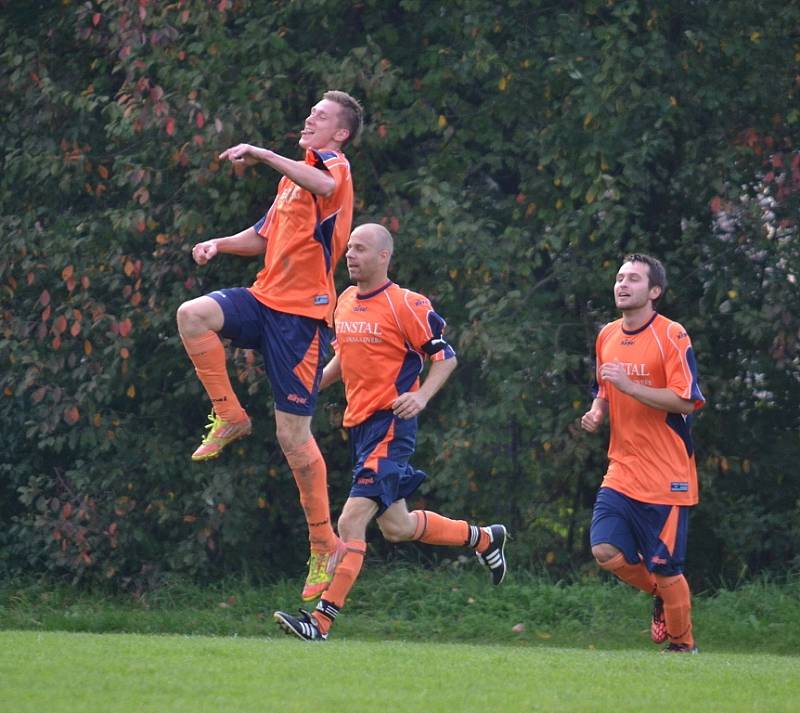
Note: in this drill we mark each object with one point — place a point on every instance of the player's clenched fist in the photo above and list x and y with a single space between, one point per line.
592 420
205 251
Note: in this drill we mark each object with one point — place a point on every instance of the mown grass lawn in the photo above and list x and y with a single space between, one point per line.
61 672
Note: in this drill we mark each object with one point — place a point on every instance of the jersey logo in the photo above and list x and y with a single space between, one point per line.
289 194
348 327
321 300
632 369
627 342
679 487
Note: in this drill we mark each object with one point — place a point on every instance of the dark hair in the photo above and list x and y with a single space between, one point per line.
657 275
352 114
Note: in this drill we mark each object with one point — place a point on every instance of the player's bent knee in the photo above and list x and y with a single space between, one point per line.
192 317
350 528
290 436
604 552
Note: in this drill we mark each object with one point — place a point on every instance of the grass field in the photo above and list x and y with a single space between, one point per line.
58 672
410 639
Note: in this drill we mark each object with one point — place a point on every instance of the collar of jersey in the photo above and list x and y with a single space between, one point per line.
642 328
374 292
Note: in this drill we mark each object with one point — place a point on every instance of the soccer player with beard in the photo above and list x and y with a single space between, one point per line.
647 386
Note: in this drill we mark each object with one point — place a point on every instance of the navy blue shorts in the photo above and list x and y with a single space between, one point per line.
294 348
656 534
381 448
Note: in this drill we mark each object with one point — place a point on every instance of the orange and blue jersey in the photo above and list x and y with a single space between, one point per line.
382 339
651 453
305 236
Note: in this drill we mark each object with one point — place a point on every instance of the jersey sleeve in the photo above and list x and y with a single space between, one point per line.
681 367
336 165
424 328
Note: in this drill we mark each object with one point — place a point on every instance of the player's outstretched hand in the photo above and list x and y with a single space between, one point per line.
409 404
245 154
205 251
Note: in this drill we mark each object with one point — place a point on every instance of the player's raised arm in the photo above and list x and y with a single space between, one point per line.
313 179
247 242
327 127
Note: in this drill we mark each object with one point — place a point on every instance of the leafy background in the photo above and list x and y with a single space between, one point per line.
517 151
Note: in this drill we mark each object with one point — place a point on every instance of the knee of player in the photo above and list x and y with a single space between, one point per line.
184 312
293 433
189 315
350 528
604 552
288 439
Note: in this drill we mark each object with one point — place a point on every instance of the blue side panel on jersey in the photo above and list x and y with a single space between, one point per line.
411 369
323 234
682 425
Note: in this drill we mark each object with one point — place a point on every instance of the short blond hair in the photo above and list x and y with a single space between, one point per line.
352 114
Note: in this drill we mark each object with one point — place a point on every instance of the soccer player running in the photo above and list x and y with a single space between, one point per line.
647 385
286 314
384 334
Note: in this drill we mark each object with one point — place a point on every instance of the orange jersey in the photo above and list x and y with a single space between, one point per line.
651 455
306 236
382 340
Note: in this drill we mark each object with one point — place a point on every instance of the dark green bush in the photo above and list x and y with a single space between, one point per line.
517 151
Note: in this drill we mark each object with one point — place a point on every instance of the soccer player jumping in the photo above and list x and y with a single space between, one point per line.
384 333
647 385
286 314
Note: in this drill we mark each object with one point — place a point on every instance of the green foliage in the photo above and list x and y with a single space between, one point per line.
516 151
452 602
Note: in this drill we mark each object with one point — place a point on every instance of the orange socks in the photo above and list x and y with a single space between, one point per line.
634 574
311 476
343 580
674 591
435 529
208 356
